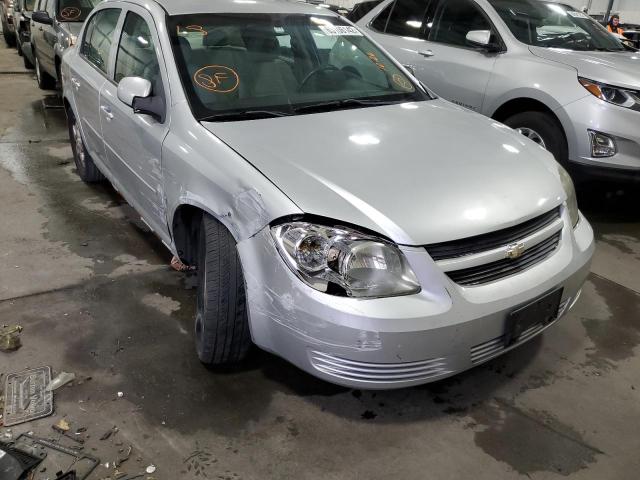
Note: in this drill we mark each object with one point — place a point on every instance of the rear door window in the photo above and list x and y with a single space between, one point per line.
406 18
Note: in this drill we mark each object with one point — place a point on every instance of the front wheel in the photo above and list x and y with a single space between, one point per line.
85 167
9 39
222 324
543 129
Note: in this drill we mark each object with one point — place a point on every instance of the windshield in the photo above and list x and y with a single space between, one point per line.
29 4
283 64
75 10
548 24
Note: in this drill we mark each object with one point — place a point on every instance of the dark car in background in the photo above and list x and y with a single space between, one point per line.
54 27
8 27
22 19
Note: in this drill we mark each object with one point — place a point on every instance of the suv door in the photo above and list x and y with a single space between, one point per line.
87 75
459 71
37 28
133 141
47 40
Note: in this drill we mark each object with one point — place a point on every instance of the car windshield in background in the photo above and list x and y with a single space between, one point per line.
553 25
75 10
243 66
29 5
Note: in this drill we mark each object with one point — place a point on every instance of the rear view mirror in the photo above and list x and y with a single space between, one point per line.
42 17
131 87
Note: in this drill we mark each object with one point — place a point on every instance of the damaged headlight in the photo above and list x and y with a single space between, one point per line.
572 202
341 260
623 97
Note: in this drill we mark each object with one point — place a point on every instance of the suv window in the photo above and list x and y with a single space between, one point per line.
136 51
97 40
380 22
406 18
454 19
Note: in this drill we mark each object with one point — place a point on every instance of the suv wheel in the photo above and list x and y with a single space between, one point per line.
87 170
222 325
543 129
27 63
45 81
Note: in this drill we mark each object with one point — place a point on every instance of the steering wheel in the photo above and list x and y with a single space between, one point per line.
315 71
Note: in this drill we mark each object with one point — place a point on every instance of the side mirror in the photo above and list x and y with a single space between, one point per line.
479 38
42 17
136 93
131 87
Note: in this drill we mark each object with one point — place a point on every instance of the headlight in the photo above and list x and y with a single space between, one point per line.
572 203
617 95
341 260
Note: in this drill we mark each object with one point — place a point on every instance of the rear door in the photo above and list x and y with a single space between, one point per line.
133 141
88 74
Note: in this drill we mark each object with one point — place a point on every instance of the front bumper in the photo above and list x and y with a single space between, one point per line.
619 123
400 341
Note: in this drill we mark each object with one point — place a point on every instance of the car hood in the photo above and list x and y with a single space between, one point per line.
418 173
615 68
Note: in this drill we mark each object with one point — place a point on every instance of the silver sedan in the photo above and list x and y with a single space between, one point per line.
338 213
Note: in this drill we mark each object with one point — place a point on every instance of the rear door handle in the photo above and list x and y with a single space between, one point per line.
426 53
75 83
107 112
40 28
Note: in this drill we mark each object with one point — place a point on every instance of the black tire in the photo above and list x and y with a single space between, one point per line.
87 170
9 39
27 63
222 325
45 81
18 46
547 127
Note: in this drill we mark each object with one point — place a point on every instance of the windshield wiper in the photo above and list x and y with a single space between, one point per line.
340 104
244 115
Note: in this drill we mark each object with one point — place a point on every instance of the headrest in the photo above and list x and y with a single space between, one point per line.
216 38
261 40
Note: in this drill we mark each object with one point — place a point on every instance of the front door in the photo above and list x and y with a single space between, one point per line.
458 71
88 73
133 141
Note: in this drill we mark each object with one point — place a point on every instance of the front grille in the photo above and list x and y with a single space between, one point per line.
490 272
378 372
489 241
485 351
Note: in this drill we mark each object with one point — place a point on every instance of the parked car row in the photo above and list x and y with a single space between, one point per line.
42 30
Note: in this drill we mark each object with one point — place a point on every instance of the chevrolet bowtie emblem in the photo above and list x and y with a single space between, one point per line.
515 250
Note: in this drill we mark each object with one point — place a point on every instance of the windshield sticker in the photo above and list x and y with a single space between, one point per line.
374 59
340 30
402 82
70 13
576 14
217 78
192 29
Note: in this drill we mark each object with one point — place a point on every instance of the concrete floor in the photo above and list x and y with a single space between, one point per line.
91 287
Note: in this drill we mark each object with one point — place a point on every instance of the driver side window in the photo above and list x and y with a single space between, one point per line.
136 51
454 19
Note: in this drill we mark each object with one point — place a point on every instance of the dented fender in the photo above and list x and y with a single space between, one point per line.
202 171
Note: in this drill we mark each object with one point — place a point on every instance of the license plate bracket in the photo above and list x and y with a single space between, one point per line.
542 310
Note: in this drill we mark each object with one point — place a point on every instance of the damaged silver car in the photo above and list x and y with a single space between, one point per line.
339 214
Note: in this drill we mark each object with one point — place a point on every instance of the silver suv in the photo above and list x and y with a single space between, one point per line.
54 27
339 215
543 68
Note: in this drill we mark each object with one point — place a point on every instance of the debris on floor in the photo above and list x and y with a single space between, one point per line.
10 337
15 463
62 426
61 379
26 397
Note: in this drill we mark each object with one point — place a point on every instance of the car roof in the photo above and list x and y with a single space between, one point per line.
182 7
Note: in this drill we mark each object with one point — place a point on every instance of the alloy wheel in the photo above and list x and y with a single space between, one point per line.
531 135
38 74
79 145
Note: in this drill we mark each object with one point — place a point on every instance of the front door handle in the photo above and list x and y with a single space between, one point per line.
426 53
40 28
107 112
75 83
